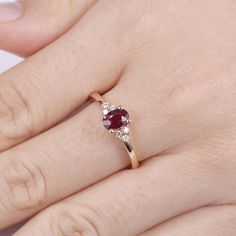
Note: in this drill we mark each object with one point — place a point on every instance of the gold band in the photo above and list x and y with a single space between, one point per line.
133 157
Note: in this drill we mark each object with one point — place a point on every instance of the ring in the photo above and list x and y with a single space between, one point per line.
116 120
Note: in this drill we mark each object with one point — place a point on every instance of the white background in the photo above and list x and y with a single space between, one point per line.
7 60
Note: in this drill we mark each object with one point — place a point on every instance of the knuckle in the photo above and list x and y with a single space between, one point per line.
134 24
141 21
15 118
77 220
25 185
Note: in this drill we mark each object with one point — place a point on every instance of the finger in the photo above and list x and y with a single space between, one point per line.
217 221
27 26
159 190
44 89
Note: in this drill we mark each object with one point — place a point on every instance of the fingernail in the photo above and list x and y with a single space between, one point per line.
10 11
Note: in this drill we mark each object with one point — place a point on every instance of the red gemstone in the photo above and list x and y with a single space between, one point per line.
116 119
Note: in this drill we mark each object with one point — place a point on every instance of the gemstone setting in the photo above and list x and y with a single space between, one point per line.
116 120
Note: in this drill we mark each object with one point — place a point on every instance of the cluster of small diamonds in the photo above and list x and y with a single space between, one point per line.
121 133
107 107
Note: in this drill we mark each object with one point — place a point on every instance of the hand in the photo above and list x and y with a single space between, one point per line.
171 64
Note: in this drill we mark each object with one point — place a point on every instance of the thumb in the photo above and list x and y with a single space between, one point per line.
27 26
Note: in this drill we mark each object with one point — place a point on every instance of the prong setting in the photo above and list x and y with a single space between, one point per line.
110 111
117 121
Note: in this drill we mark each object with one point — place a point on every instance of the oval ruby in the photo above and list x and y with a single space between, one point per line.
116 119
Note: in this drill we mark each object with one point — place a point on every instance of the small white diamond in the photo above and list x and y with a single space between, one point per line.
105 105
112 107
125 138
126 130
105 111
118 133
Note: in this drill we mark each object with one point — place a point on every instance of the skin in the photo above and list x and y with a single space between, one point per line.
172 65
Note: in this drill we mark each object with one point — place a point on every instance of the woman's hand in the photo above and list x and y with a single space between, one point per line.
172 65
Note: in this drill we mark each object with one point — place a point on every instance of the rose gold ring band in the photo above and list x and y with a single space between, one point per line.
116 120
